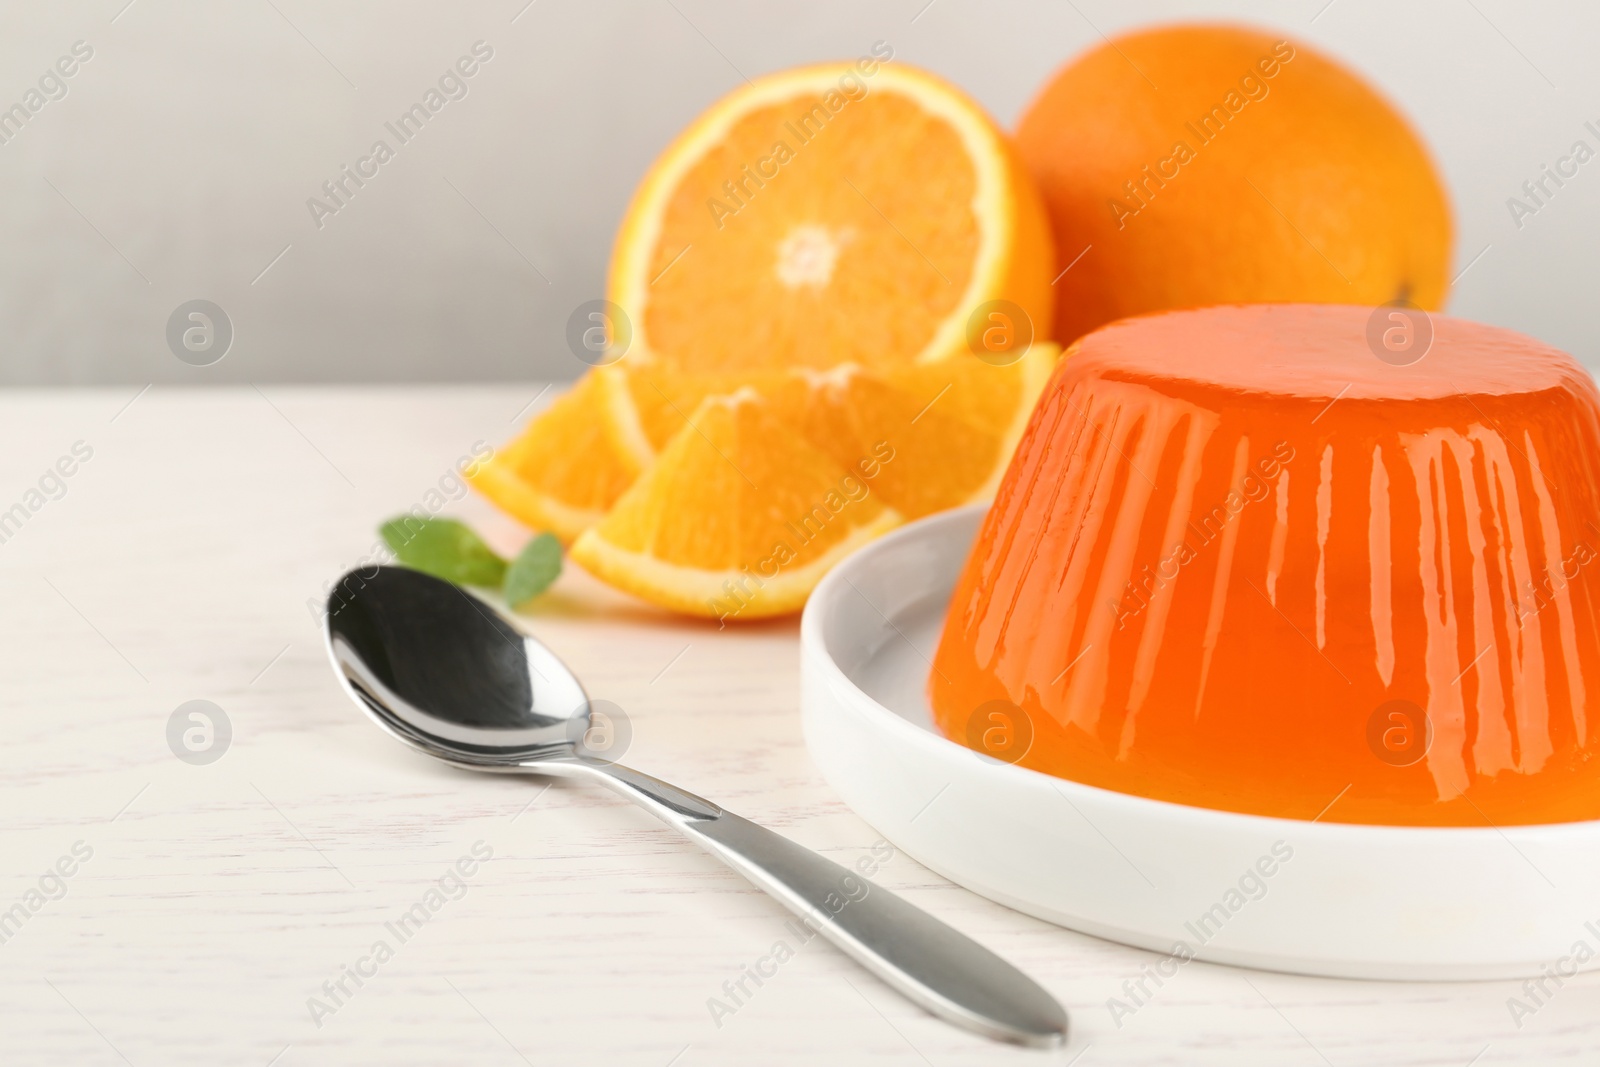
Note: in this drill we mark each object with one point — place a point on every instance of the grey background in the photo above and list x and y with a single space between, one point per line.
179 164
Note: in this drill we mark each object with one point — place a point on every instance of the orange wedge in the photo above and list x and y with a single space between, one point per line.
562 474
996 399
645 406
950 427
757 493
738 518
839 213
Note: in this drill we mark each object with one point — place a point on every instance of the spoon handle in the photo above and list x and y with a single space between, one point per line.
934 965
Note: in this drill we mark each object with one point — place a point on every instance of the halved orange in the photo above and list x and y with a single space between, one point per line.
738 518
850 221
561 474
838 213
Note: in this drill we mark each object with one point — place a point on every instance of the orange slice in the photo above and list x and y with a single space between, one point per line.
942 433
956 422
996 399
839 213
739 517
562 474
645 406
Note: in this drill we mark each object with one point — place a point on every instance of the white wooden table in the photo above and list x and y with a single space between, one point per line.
218 899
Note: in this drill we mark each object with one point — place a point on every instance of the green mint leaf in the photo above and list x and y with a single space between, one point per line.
443 548
535 567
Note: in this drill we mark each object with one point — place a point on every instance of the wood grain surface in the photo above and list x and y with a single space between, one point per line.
178 564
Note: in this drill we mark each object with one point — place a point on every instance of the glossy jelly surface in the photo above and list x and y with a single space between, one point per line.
1240 561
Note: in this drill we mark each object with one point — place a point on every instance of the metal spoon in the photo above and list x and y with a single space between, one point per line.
438 669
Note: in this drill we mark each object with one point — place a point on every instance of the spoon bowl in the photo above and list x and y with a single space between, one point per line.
442 672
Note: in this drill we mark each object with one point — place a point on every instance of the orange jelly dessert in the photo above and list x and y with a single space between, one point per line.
1306 561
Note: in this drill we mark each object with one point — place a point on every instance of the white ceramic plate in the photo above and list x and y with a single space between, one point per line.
1313 898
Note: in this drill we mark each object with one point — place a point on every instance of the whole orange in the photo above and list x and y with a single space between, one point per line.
1203 164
